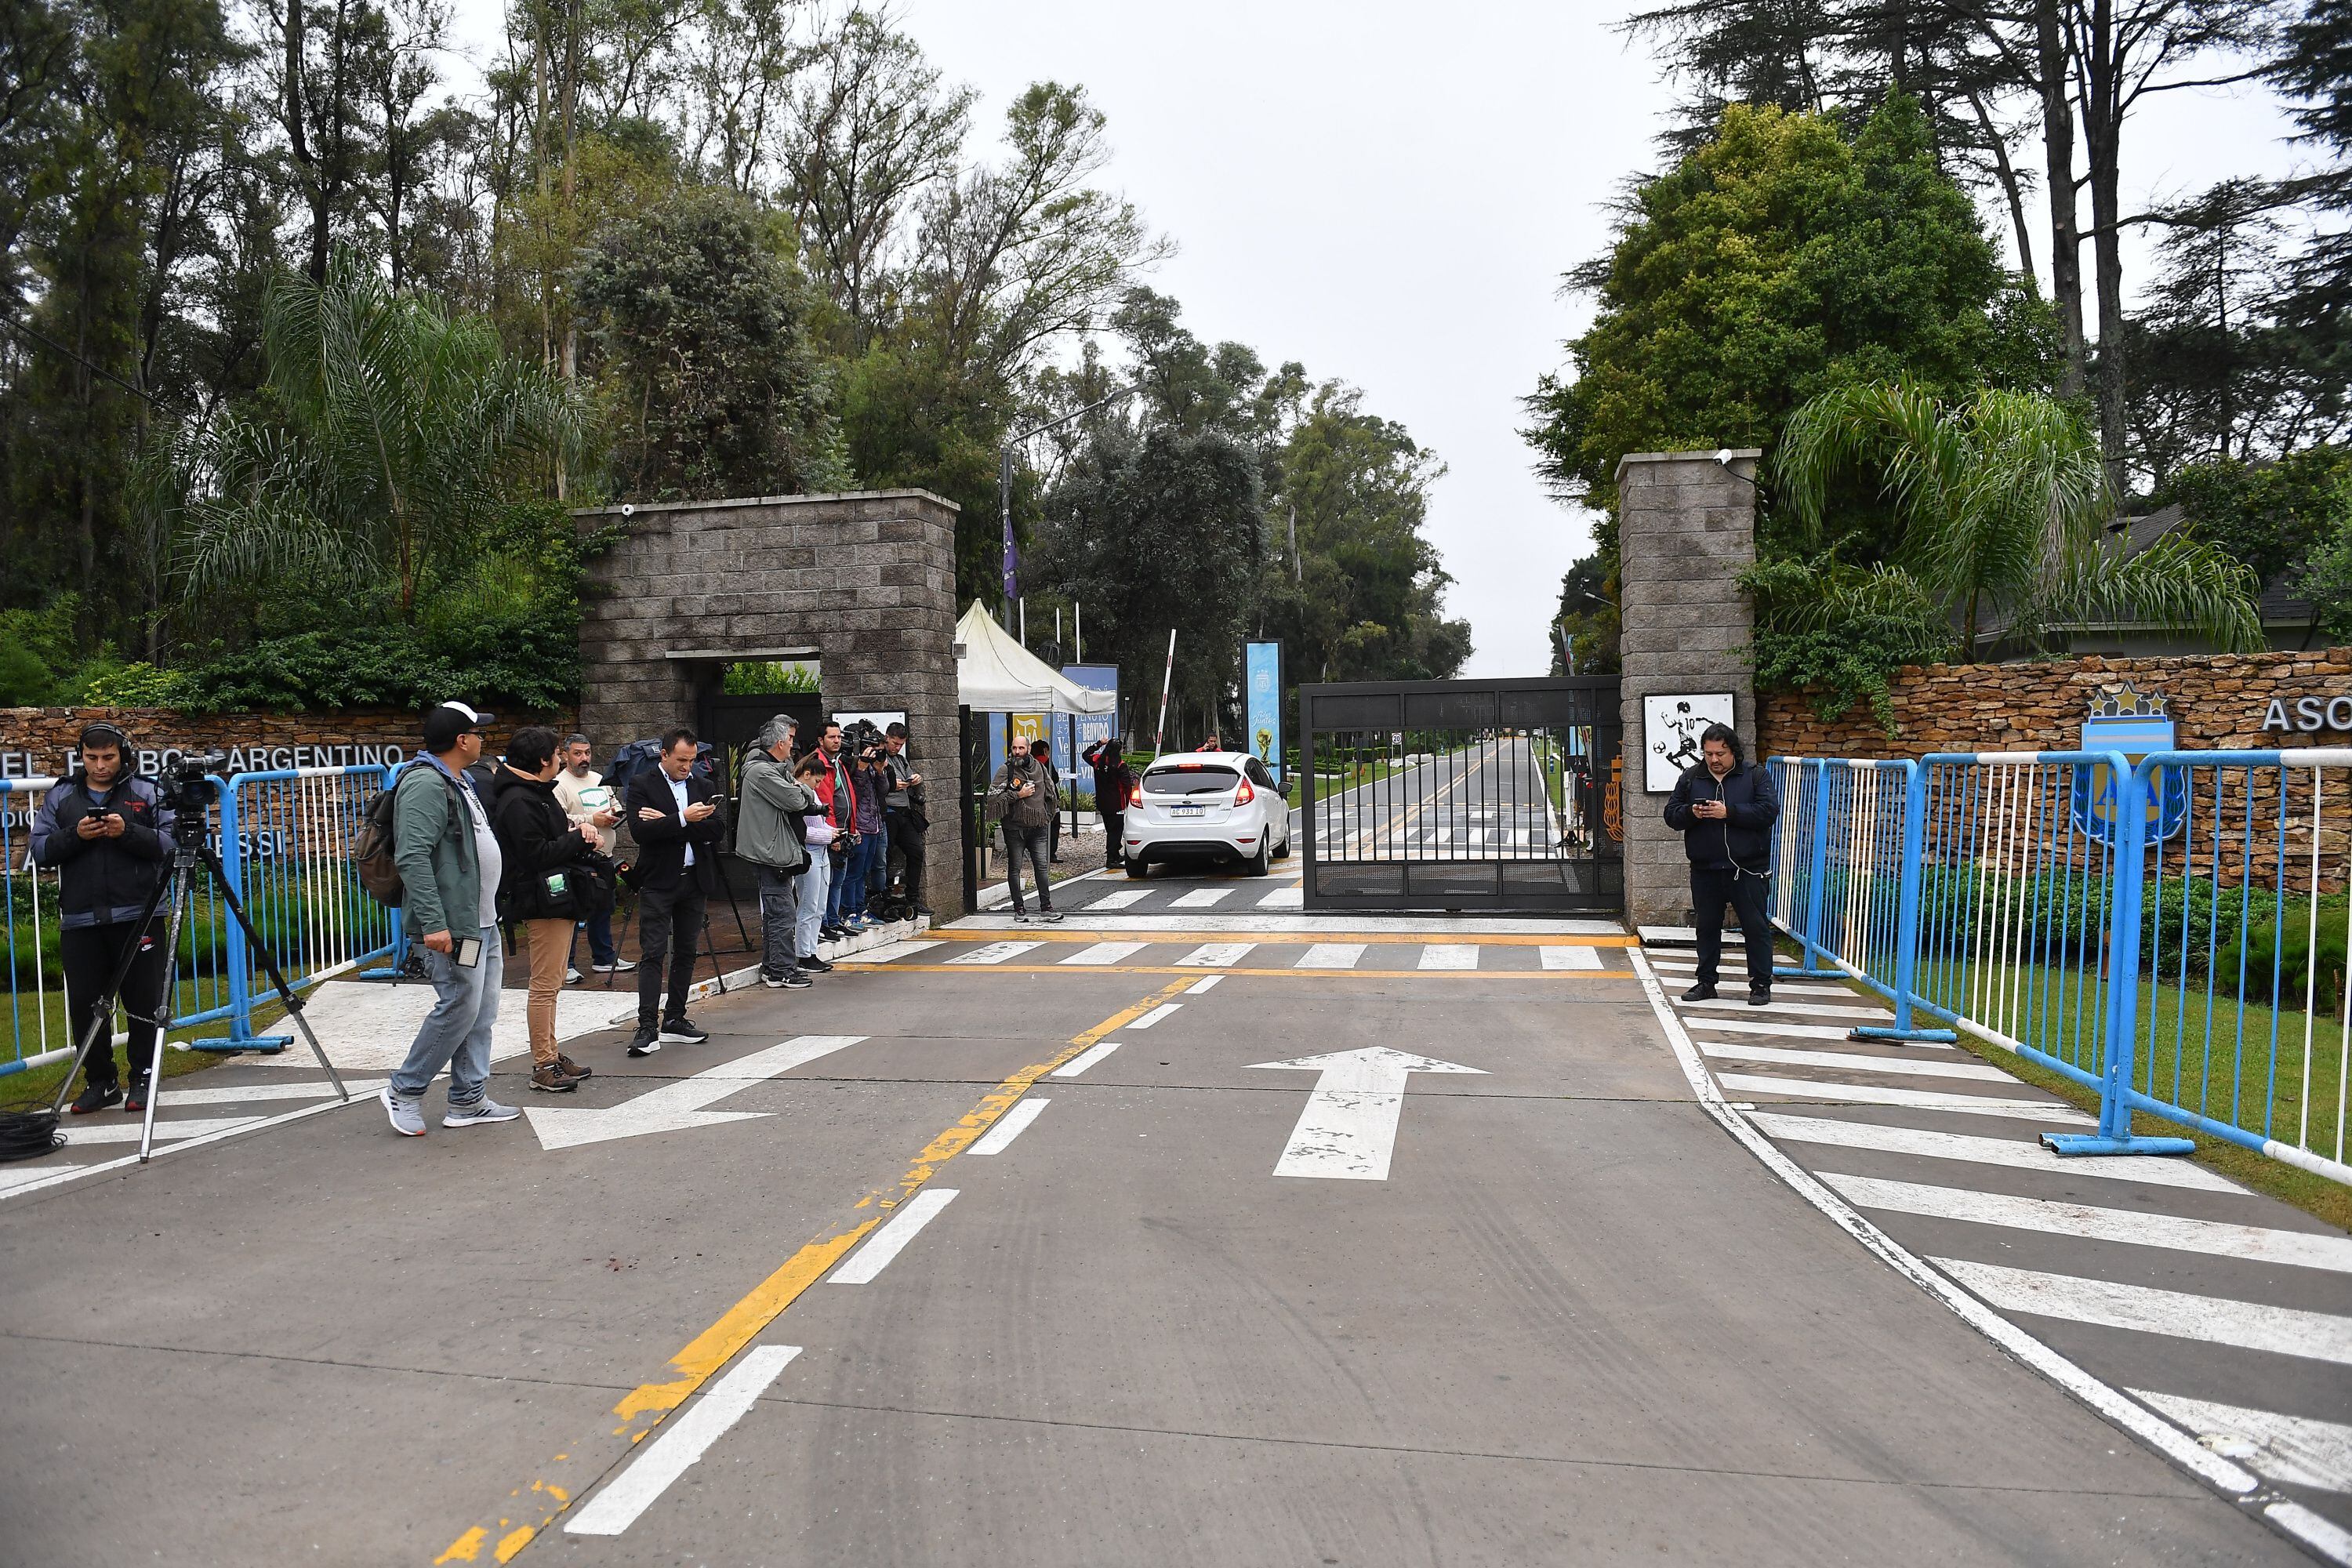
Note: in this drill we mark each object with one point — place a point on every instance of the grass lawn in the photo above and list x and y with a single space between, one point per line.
40 1083
2211 1058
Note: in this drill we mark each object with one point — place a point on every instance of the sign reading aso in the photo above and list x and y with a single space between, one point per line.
2312 714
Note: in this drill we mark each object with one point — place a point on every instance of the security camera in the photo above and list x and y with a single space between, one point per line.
628 511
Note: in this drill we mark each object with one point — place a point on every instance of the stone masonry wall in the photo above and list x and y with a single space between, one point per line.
37 742
2216 702
1686 528
867 580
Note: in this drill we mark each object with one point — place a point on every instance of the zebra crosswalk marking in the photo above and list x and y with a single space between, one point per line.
2214 1320
2149 1170
1918 1098
1284 898
1570 957
2294 1450
1331 955
1796 1009
1743 1026
1204 897
2214 1238
1105 953
1902 1067
1215 955
1449 955
898 950
995 953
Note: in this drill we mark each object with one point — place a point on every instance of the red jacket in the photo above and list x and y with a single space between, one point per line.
843 815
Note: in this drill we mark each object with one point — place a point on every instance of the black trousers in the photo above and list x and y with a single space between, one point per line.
669 920
90 954
1711 889
1114 831
906 844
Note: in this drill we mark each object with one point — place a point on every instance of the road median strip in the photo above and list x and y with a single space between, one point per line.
535 1505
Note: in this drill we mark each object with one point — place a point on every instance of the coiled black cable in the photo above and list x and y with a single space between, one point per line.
28 1128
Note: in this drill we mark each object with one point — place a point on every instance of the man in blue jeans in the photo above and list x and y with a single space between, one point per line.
449 868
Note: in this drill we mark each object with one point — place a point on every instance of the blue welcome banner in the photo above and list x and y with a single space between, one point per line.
1262 684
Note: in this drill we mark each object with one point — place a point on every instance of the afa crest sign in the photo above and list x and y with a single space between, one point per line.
2135 725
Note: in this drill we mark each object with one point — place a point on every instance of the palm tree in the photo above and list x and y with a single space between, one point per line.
396 437
2004 502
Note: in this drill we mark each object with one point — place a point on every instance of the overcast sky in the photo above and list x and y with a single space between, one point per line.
1389 194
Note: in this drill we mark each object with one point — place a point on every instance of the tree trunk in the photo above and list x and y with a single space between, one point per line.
2065 240
2012 190
2102 132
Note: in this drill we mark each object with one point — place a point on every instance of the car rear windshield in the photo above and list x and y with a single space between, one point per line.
1191 778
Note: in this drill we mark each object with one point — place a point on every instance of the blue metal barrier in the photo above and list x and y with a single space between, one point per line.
2173 935
286 840
2244 1031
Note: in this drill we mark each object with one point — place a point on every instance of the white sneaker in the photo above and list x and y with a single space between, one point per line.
571 976
407 1116
480 1113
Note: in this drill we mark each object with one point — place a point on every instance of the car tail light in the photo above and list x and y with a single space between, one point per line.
1135 793
1245 794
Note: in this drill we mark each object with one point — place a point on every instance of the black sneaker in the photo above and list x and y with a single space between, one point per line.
1051 916
831 933
1760 997
794 980
683 1032
812 964
95 1097
135 1102
1699 994
647 1042
1021 917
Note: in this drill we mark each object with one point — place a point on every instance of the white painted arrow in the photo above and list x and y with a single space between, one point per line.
678 1105
1349 1129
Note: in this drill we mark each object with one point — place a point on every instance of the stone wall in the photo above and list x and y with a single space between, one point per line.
866 580
1686 528
2215 702
38 741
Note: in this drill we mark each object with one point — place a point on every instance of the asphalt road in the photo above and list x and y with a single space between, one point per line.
1178 1317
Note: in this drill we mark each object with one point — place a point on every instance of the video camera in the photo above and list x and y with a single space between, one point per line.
186 783
862 738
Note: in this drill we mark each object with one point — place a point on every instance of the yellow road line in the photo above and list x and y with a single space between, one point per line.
1278 939
1196 969
534 1506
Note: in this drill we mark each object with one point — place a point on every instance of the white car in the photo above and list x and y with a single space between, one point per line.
1220 806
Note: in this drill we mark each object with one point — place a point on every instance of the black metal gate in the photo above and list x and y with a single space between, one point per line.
1463 794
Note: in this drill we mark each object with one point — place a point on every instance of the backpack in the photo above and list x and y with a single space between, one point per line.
372 854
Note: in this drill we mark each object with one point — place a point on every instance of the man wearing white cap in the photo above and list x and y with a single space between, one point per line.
449 868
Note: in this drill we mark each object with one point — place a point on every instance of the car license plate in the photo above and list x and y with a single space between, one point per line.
1186 810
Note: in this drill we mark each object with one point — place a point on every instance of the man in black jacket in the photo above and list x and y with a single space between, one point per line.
1114 780
544 887
1724 808
673 813
108 836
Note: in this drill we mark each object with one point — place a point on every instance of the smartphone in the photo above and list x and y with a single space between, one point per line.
469 952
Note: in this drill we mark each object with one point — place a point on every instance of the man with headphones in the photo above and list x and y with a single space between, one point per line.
1724 808
108 835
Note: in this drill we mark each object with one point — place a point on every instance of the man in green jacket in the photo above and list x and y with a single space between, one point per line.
449 868
769 834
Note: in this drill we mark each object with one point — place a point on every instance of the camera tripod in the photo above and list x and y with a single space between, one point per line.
192 846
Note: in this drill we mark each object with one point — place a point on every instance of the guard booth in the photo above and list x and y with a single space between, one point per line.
1462 796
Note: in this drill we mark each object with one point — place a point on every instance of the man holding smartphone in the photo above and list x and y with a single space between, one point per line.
1724 808
108 836
449 869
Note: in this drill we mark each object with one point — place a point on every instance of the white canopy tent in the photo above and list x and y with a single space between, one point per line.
994 674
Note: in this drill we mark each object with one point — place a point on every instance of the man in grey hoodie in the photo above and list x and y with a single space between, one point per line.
769 835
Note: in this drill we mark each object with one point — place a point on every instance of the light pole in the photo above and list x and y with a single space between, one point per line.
1010 581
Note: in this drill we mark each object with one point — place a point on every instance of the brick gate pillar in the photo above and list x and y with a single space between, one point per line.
1686 529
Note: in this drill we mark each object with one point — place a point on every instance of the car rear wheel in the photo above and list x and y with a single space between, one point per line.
1138 867
1262 863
